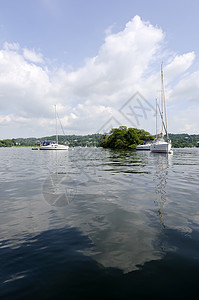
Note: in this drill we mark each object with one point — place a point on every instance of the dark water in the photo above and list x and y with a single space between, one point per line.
98 224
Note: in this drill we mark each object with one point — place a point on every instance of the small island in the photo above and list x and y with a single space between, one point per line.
125 138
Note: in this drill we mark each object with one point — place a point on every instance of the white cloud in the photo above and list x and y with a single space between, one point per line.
11 46
5 120
121 61
187 89
179 65
184 119
32 56
127 62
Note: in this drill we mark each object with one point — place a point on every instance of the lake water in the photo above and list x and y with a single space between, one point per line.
91 223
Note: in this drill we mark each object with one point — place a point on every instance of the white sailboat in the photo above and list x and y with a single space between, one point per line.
53 146
161 145
144 147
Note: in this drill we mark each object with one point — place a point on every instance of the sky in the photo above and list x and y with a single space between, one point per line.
99 63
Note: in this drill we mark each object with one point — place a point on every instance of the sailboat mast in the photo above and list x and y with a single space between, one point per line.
56 125
164 102
156 119
162 96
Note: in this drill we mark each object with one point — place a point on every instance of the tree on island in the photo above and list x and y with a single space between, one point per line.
124 138
7 143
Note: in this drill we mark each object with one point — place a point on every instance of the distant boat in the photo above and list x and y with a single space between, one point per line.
144 147
53 146
161 145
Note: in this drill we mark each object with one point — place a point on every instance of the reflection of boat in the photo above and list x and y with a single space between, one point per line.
53 146
160 144
145 147
162 164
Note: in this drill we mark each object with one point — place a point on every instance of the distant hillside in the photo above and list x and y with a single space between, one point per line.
72 140
178 140
184 140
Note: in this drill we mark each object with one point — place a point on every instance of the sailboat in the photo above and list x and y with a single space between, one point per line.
53 146
161 144
144 147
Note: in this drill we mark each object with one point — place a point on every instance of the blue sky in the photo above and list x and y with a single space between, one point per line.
90 57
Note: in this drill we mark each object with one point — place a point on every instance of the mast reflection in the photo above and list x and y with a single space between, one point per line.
162 162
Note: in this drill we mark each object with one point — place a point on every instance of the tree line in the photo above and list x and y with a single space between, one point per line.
89 140
122 137
184 140
8 143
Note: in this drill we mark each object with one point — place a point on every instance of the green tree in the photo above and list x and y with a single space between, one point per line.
124 138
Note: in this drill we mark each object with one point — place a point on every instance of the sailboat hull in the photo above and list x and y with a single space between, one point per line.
54 147
161 147
145 147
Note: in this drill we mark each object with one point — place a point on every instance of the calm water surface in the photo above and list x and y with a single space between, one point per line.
98 224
